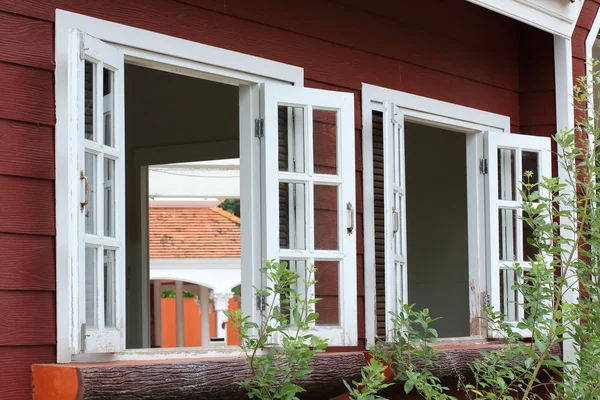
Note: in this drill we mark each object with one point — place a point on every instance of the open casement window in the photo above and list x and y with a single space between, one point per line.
394 213
99 303
509 158
310 198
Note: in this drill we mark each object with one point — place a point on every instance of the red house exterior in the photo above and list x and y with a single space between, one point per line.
455 52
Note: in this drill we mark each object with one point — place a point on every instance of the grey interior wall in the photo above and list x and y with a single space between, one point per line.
436 208
161 110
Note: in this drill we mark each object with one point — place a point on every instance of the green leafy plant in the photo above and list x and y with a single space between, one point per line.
410 352
279 348
170 294
231 205
373 380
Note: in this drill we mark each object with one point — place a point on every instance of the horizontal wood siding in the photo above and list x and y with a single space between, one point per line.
27 225
15 369
461 53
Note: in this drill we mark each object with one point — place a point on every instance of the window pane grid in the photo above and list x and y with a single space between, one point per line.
101 240
512 226
310 204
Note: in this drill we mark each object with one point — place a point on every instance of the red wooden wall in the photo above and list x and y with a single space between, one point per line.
459 53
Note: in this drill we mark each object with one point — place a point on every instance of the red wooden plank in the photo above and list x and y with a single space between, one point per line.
323 61
27 150
539 130
380 35
360 275
578 42
27 94
15 369
578 69
27 318
457 90
361 319
538 108
26 205
588 14
460 20
26 41
536 55
27 262
214 5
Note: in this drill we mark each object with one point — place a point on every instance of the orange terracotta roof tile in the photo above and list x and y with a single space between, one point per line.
193 233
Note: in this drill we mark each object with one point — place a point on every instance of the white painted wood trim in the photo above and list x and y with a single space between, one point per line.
445 115
152 50
224 62
555 16
565 120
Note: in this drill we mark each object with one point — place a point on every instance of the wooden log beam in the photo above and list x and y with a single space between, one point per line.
215 378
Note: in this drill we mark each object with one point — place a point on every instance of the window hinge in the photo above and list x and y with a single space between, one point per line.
483 166
261 303
486 299
259 127
83 337
81 46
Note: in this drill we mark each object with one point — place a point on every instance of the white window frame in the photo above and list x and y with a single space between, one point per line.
346 332
169 54
518 143
432 112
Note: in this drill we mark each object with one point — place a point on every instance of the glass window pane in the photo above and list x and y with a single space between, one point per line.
530 164
91 296
109 197
327 289
509 304
325 135
529 250
508 236
506 174
109 288
90 208
108 96
397 153
291 139
284 300
89 94
292 216
326 217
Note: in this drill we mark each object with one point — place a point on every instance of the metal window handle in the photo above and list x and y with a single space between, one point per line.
396 220
87 190
351 209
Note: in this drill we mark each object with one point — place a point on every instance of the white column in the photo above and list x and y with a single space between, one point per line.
204 302
221 304
157 314
179 313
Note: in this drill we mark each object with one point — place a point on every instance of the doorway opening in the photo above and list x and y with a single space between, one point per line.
437 226
182 226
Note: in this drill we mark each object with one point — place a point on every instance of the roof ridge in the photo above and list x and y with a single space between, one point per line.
227 214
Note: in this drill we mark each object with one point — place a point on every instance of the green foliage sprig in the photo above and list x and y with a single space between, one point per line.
279 348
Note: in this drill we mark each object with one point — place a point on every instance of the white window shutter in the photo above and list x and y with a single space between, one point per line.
508 156
395 213
309 197
99 300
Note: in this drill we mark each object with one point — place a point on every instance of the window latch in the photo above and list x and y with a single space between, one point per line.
349 207
87 190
